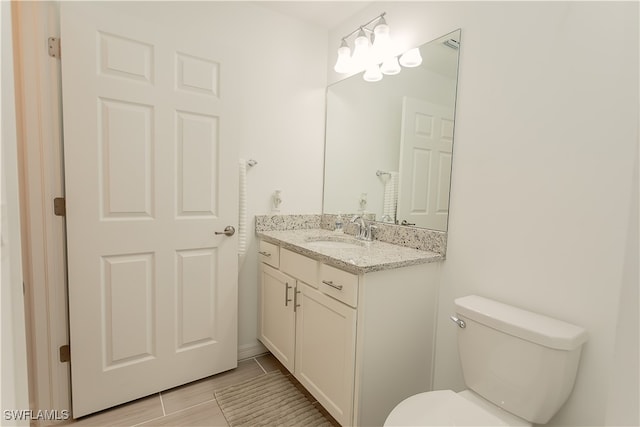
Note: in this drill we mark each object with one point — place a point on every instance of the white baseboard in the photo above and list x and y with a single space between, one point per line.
247 351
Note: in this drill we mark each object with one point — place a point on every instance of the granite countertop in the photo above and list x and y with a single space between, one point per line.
365 258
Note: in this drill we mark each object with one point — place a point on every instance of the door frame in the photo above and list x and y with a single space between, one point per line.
40 162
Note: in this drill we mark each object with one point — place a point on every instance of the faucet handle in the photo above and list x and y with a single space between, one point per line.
368 235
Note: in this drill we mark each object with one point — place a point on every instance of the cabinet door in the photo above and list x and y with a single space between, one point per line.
325 351
277 317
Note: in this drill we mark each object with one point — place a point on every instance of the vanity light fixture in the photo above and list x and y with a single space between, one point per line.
373 73
381 40
370 46
361 51
390 66
343 65
373 52
411 58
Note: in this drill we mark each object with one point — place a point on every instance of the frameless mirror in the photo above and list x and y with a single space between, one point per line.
388 148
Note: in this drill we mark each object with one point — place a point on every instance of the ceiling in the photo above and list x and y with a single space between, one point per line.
326 14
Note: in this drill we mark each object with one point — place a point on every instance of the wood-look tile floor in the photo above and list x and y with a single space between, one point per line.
192 404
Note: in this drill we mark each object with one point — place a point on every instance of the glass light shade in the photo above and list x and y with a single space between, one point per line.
411 58
381 28
391 66
381 40
361 50
372 74
343 64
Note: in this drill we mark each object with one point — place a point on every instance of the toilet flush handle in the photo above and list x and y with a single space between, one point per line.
459 322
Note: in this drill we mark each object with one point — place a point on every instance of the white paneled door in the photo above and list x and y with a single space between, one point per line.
150 177
425 163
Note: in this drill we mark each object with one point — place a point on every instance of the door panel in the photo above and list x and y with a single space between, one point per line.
125 138
129 293
196 164
150 175
196 310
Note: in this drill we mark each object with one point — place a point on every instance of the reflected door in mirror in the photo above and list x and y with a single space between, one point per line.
425 164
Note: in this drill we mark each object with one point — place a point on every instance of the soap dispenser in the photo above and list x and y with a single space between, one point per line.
339 224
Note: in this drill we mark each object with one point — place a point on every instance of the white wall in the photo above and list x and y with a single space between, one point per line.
283 111
13 357
542 188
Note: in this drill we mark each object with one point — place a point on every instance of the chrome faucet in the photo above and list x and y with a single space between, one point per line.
362 226
365 231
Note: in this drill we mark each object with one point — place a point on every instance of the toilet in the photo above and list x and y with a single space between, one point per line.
519 368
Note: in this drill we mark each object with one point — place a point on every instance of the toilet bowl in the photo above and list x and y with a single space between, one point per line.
448 408
519 367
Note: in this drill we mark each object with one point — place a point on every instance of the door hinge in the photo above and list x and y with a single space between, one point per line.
59 206
54 47
65 353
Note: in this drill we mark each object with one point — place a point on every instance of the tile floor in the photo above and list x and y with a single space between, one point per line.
192 404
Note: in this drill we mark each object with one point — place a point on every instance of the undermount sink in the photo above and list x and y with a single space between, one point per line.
335 243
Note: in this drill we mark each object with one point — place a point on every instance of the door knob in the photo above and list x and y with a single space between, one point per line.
228 231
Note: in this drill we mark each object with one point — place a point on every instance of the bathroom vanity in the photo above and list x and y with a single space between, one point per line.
353 321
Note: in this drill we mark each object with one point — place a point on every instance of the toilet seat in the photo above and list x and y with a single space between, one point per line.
447 408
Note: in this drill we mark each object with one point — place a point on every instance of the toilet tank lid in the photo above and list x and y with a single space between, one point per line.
521 323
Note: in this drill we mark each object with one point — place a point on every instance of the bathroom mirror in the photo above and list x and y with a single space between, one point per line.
388 148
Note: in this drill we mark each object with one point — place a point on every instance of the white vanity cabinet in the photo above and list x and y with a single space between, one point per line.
277 316
359 343
325 351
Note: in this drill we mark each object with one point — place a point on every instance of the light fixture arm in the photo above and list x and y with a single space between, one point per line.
364 27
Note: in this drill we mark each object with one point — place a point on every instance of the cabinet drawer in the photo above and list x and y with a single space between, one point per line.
339 284
299 266
269 253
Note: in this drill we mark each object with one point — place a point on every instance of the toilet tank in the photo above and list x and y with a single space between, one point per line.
523 362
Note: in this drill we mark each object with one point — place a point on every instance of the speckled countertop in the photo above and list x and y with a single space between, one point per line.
365 258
